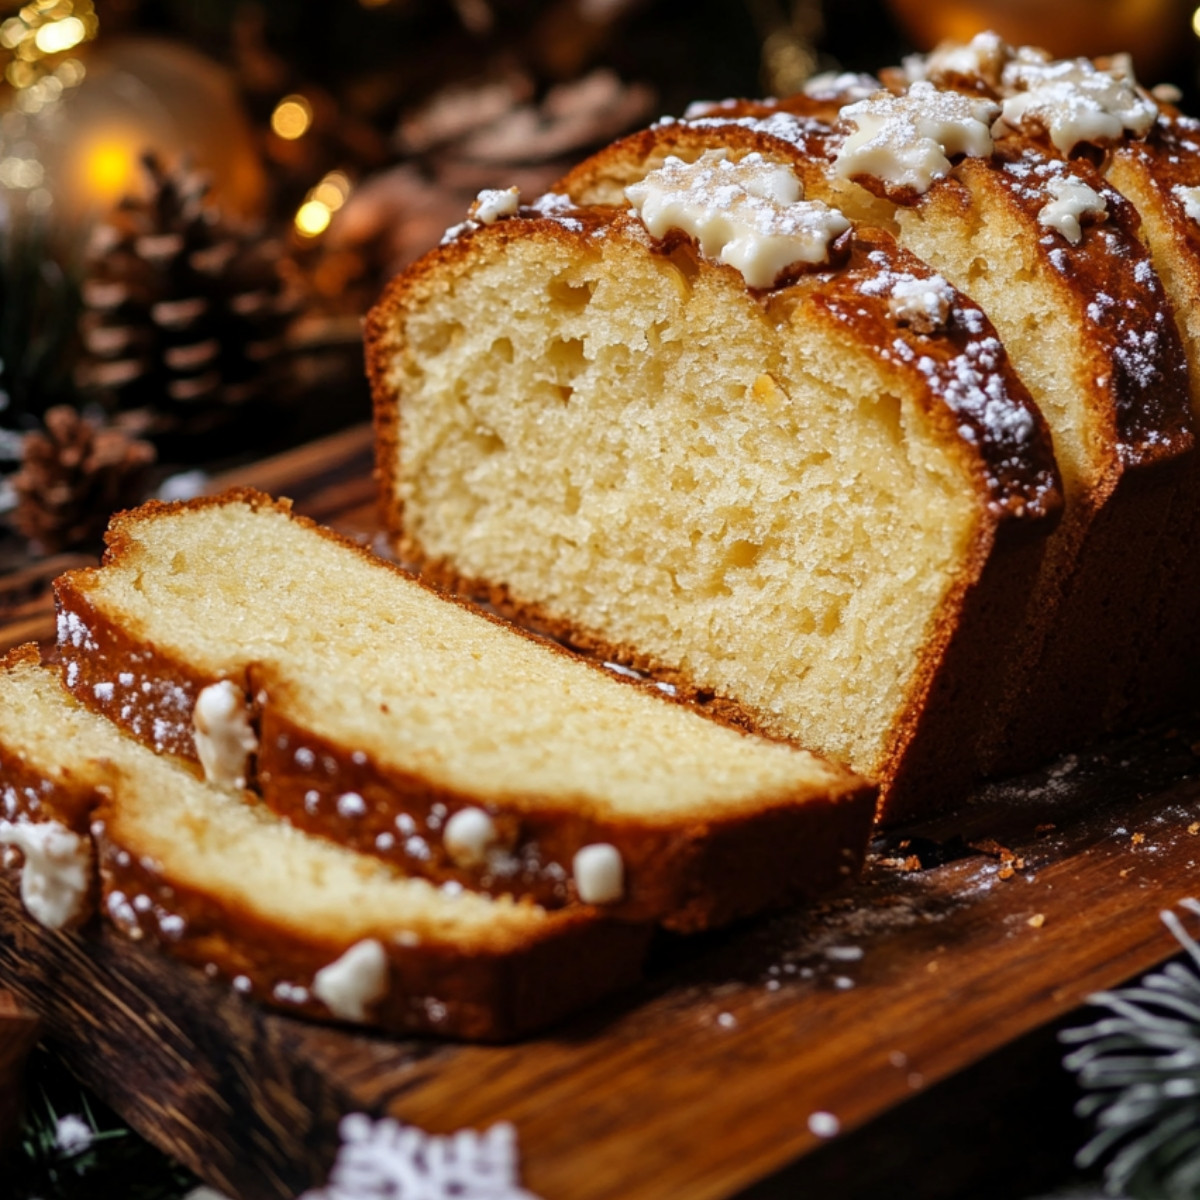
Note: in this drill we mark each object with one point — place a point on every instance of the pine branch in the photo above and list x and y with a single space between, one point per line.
1140 1066
72 1148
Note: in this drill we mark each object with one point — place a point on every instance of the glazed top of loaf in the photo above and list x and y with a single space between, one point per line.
958 360
1108 268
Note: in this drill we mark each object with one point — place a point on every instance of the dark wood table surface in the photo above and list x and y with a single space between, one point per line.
916 1009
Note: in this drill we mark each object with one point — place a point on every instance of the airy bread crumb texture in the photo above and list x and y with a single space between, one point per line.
607 431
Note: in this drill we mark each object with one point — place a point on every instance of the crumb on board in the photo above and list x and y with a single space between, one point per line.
1036 921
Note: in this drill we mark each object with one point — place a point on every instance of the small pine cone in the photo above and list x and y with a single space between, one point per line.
184 313
74 475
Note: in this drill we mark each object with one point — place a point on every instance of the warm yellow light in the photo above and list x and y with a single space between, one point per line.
332 191
1196 22
292 117
58 36
12 33
109 170
312 218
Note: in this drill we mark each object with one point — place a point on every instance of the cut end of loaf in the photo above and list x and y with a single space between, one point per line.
731 488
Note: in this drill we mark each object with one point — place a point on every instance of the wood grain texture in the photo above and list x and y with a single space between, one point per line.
701 1081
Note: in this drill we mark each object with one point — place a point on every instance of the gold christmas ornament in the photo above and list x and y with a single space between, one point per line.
136 95
1150 30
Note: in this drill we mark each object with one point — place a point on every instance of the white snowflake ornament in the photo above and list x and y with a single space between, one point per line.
385 1160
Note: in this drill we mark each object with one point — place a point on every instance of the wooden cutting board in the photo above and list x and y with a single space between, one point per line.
702 1082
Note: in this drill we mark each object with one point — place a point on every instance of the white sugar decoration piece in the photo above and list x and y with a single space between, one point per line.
1072 199
351 804
907 141
493 203
349 985
222 733
982 58
1189 197
599 873
922 304
1075 101
57 871
387 1159
468 837
750 214
823 1125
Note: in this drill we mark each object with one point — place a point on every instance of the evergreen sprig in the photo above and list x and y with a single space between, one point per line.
111 1161
1140 1066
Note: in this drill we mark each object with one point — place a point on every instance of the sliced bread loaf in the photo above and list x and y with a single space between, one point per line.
815 498
1052 253
212 877
368 709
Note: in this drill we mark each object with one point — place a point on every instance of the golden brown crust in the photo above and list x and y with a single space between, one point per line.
480 996
674 871
1155 172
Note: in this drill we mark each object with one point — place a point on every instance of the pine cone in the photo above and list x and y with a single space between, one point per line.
183 313
73 476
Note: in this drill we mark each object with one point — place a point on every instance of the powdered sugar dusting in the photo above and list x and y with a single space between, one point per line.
971 382
923 304
787 127
846 86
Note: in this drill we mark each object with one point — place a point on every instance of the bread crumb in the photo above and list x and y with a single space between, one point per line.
1194 828
1036 921
1005 872
1137 839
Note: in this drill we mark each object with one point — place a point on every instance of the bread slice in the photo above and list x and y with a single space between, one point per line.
808 503
438 739
1116 401
210 876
